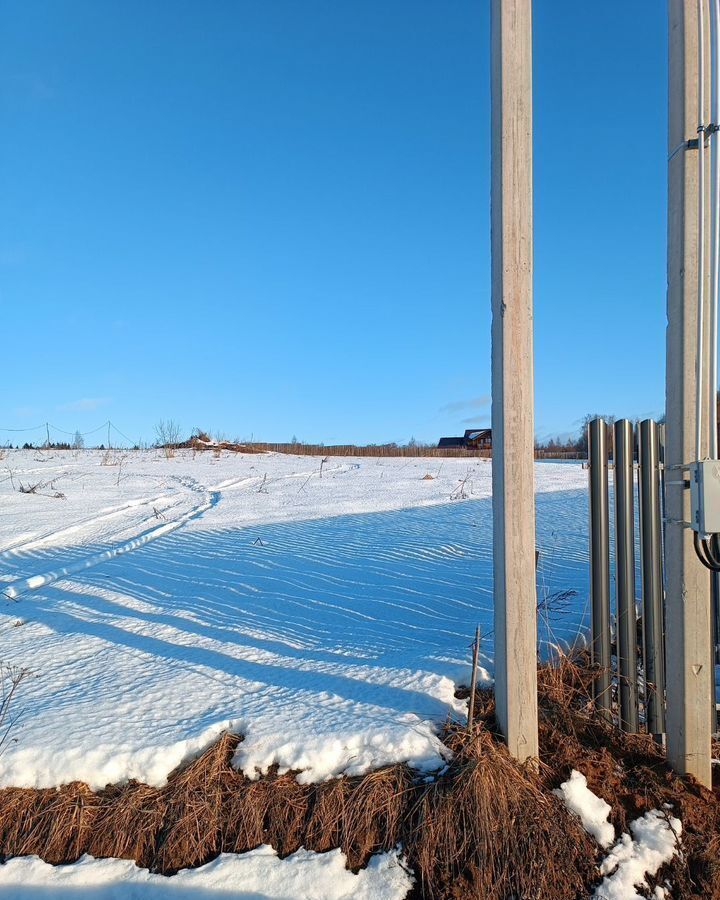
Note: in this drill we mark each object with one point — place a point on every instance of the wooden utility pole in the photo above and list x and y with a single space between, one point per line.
512 378
690 671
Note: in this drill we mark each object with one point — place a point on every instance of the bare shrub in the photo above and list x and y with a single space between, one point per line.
38 488
167 432
10 679
462 491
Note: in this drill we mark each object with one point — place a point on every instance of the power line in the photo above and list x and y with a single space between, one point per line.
129 440
48 425
83 433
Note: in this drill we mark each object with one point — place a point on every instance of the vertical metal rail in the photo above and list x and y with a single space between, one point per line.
624 482
473 679
600 563
663 511
652 577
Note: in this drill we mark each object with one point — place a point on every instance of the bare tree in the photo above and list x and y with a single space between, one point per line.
167 432
78 441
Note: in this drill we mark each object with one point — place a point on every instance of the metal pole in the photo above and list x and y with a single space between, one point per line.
513 498
625 574
600 562
652 576
473 679
690 667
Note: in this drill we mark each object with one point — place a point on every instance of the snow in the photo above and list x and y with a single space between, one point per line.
591 809
326 619
258 875
654 842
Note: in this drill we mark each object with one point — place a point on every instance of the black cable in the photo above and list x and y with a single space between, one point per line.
709 555
711 551
701 551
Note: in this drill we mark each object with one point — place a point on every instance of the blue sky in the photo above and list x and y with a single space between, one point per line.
271 217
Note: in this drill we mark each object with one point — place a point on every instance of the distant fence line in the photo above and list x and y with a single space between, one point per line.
50 432
394 450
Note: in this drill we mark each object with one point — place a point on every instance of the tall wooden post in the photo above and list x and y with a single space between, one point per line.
690 674
512 378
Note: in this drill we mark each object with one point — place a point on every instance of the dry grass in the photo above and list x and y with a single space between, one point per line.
488 829
485 829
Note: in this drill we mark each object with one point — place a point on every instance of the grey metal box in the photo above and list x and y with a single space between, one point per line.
705 496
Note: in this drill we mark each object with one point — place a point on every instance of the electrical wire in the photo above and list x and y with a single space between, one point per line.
714 224
55 428
83 433
699 381
708 551
124 436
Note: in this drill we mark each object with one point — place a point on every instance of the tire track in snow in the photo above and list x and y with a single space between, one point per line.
212 497
52 536
25 585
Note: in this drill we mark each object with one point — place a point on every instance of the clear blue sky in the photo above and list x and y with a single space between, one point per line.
271 217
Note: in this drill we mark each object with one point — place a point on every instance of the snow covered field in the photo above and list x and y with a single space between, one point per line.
158 602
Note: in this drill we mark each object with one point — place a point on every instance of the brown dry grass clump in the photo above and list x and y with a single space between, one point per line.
489 829
486 828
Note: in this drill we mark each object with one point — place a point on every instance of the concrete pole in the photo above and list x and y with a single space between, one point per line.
512 378
690 674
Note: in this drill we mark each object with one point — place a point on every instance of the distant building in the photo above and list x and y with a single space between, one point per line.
451 442
478 438
473 439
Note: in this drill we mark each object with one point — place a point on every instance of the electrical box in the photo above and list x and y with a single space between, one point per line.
705 496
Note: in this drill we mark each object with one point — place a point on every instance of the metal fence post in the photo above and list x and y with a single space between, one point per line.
624 481
652 577
600 563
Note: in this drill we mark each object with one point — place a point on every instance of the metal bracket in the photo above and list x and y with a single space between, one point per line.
679 522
